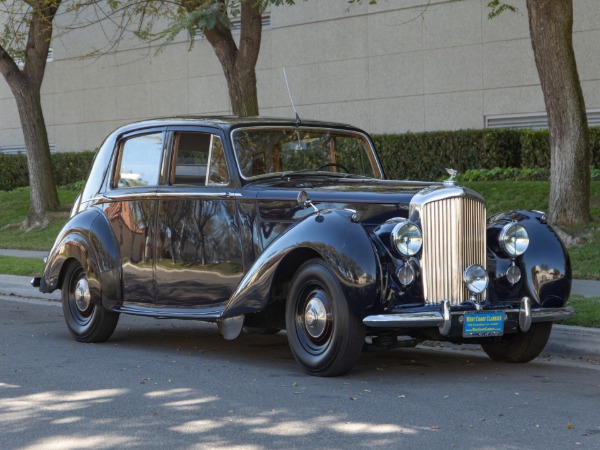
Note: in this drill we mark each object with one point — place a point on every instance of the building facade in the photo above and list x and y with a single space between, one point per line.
398 66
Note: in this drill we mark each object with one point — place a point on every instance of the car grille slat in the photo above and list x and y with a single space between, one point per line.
454 232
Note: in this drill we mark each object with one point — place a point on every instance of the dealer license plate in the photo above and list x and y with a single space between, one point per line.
483 323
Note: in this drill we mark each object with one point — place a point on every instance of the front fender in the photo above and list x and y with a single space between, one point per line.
88 238
332 235
545 265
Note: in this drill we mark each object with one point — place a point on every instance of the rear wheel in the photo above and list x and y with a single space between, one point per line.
521 347
86 318
325 337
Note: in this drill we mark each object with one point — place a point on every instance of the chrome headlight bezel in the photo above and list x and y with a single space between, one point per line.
513 239
406 238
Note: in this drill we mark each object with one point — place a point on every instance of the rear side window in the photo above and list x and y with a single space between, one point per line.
139 161
199 160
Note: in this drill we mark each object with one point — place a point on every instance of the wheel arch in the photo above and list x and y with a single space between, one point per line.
88 239
331 236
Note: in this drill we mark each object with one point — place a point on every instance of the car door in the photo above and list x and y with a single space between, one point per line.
199 259
131 209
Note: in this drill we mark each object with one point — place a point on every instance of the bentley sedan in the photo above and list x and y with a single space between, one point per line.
282 225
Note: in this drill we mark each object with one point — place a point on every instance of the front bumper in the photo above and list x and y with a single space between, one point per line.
443 319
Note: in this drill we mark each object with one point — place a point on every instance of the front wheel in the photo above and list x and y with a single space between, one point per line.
86 318
521 347
325 337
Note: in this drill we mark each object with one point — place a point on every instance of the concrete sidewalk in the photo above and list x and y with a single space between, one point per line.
568 341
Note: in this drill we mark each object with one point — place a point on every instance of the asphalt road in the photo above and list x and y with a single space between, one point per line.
178 384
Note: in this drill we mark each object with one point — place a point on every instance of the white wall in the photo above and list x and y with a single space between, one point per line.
392 67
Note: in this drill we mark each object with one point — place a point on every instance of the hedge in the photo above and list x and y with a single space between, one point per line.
418 156
424 156
67 167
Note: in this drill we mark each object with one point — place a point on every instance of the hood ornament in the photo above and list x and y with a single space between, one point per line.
451 181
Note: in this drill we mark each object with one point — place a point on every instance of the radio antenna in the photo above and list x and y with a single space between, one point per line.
298 121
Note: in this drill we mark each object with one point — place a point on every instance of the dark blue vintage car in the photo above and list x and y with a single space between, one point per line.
277 225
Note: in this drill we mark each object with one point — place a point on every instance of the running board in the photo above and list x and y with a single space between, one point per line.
208 314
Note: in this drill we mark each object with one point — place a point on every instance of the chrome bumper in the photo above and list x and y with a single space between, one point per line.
443 318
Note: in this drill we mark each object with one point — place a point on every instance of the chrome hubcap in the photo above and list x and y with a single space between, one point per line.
315 318
82 295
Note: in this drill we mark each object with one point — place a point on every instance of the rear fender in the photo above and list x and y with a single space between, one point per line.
87 238
331 235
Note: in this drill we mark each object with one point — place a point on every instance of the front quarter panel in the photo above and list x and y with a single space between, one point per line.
331 235
545 265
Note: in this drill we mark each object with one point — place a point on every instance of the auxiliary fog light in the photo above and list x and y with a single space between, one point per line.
406 274
476 279
513 274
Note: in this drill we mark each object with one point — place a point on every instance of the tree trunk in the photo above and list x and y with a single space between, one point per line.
26 85
42 188
239 65
551 28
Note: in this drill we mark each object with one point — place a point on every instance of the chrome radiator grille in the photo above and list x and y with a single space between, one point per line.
453 239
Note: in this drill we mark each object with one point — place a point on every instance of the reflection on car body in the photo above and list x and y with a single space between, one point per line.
274 225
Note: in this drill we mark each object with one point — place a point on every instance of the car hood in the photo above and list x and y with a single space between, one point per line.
369 197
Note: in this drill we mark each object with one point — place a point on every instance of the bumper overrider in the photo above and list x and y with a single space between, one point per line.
449 321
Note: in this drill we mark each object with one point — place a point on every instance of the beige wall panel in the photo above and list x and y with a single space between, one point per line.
208 94
100 72
49 107
5 91
202 60
62 76
170 98
355 113
9 116
452 69
133 102
304 85
343 39
440 24
507 25
587 54
509 63
395 32
513 100
591 93
390 5
304 111
171 64
396 75
294 45
70 107
70 138
134 66
586 15
11 137
100 104
336 9
344 80
454 111
95 133
298 14
397 115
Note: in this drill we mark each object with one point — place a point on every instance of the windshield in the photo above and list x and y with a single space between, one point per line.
283 150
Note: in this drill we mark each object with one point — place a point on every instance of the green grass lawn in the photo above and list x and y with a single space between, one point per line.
21 266
587 312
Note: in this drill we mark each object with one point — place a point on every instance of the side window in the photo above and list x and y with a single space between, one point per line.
139 161
200 160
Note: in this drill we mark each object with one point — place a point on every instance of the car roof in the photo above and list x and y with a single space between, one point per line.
228 123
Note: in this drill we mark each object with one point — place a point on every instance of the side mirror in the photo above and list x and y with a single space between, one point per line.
305 201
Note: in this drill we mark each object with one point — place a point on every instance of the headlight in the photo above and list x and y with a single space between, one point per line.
476 279
514 239
406 238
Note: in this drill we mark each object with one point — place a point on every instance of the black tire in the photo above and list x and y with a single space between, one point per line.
332 343
87 321
522 347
